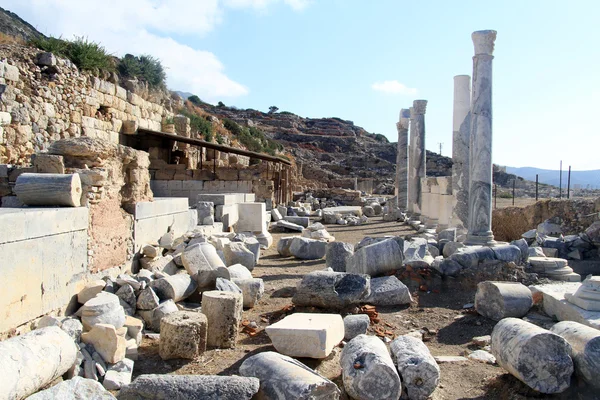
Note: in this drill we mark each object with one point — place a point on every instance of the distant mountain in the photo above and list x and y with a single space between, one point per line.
11 24
185 95
552 177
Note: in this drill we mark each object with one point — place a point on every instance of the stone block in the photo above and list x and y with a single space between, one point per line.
104 308
283 246
289 226
205 209
106 341
252 290
498 300
308 249
419 370
203 264
118 375
90 290
302 221
48 163
332 290
307 335
182 335
355 325
378 258
339 255
251 217
223 311
388 291
74 388
238 253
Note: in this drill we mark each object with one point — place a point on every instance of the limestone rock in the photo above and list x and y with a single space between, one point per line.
177 287
182 335
149 251
147 299
388 291
332 290
190 387
238 271
238 253
482 356
106 341
377 258
282 377
90 290
127 295
252 290
289 226
498 300
76 388
307 249
105 308
355 325
223 311
118 375
225 285
419 370
368 371
73 328
203 264
283 246
451 248
338 255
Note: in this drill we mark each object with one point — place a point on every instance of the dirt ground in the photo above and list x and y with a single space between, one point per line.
437 309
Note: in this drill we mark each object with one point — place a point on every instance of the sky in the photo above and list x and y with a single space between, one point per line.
364 60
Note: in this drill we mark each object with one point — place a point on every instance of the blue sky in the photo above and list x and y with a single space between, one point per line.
321 58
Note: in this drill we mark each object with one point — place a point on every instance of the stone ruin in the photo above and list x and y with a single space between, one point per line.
108 243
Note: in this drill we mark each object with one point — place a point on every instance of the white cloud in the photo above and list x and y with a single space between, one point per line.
145 27
393 87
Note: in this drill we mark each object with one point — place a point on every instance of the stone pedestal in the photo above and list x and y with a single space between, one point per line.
182 335
402 160
223 312
587 295
417 156
461 134
434 203
480 160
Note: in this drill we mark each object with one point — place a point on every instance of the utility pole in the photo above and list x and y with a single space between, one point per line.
441 144
560 182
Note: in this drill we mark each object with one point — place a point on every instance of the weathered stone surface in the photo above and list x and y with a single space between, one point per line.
223 312
378 258
203 264
497 300
190 387
585 349
225 285
105 308
182 335
355 325
415 253
537 357
472 257
118 375
289 225
283 246
338 255
238 271
73 328
33 360
482 356
388 291
282 377
238 253
508 253
418 369
149 251
205 209
90 290
368 371
147 299
252 290
332 290
307 249
307 335
177 287
127 295
451 248
524 247
107 342
302 221
76 388
276 215
587 296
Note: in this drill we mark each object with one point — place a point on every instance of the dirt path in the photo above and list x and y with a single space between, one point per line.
438 310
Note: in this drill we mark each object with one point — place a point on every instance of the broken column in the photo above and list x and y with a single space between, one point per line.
480 151
417 156
283 377
378 258
33 360
49 189
332 290
182 335
535 356
223 312
461 126
177 287
402 160
419 371
497 300
585 349
368 371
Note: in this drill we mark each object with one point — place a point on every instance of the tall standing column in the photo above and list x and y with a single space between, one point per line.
480 188
461 125
417 156
402 160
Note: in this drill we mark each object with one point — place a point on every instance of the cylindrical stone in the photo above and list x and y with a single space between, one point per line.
417 156
205 387
223 312
461 133
49 189
480 149
182 335
282 377
377 258
333 290
368 371
585 349
177 287
33 360
283 246
339 255
497 300
355 325
535 356
417 367
402 160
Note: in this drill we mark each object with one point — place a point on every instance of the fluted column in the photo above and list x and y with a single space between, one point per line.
480 188
402 160
461 125
417 156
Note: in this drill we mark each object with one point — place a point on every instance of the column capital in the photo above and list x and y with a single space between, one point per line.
404 118
419 107
484 42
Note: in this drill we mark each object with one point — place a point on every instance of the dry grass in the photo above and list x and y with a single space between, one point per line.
8 39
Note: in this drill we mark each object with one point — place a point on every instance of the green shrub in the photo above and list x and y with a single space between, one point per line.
220 139
505 195
195 100
89 56
199 125
129 66
145 68
221 104
253 138
232 126
56 46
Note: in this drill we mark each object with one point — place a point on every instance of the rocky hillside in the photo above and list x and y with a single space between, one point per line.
12 25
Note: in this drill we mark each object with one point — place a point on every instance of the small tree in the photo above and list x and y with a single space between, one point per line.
273 109
195 99
220 104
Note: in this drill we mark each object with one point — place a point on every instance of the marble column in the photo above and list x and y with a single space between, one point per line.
402 160
461 125
480 160
417 156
